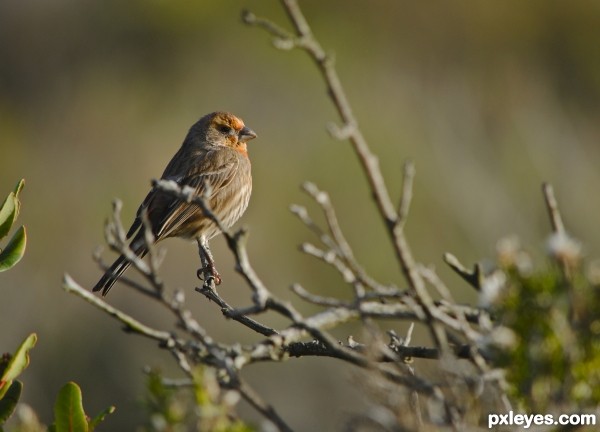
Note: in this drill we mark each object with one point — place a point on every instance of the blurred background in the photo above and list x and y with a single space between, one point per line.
488 99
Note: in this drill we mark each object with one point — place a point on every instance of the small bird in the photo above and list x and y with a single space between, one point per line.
213 160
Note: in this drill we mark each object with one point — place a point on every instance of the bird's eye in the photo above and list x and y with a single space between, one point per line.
225 129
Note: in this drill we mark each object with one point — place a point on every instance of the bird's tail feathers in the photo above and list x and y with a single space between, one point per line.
116 270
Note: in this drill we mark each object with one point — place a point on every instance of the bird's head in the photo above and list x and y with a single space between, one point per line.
222 129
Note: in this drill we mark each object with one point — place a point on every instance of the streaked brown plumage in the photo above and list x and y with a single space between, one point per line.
212 157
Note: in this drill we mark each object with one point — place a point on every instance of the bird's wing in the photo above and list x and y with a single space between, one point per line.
207 175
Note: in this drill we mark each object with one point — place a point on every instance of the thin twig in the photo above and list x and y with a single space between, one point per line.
552 206
317 299
406 198
131 324
472 277
338 241
228 311
261 406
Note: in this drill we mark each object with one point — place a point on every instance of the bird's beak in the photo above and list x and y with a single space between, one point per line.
246 134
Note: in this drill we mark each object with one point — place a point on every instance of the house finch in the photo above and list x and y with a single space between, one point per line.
213 159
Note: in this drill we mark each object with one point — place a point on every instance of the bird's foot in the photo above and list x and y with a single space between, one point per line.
209 272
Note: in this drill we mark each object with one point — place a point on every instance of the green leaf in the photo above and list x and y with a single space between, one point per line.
68 410
8 214
14 250
10 209
19 187
9 402
17 363
100 418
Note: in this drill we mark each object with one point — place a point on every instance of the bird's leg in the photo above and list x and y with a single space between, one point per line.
208 269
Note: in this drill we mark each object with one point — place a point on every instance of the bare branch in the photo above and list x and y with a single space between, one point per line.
553 211
261 406
316 299
472 277
131 324
407 187
229 312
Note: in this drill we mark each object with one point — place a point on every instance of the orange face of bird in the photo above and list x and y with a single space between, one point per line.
232 131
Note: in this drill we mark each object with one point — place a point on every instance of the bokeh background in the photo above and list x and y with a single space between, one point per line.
489 99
